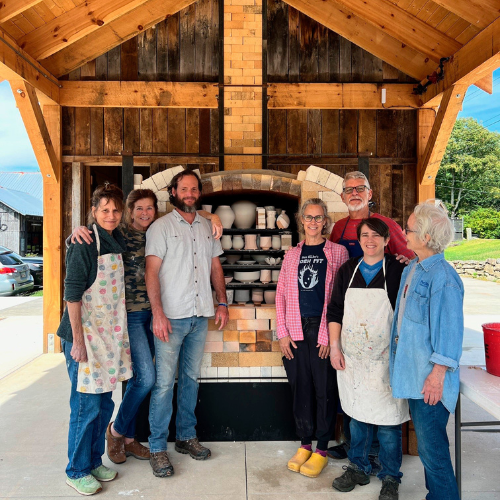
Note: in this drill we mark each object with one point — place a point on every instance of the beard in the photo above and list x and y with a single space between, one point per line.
189 209
356 207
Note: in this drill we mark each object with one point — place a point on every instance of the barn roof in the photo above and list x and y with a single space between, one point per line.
26 182
21 202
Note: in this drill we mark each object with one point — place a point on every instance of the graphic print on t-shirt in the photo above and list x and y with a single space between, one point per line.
309 268
311 280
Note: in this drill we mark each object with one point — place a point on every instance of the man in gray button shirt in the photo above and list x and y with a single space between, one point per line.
182 257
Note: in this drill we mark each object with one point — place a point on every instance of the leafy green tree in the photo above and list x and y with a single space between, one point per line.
485 222
469 176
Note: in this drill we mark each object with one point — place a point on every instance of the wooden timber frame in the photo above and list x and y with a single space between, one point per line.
165 81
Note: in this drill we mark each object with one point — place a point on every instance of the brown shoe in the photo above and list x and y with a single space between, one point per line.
137 450
194 448
160 464
116 447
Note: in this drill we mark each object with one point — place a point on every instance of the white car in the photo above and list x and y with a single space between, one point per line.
15 276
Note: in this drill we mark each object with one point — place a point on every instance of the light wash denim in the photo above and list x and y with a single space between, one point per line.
89 418
142 351
391 448
434 449
185 345
431 331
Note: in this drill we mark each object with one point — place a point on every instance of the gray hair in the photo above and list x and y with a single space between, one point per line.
356 175
431 217
319 203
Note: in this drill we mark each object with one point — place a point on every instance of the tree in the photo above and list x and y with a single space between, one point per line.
469 176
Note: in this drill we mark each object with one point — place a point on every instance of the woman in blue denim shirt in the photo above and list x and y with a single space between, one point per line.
426 344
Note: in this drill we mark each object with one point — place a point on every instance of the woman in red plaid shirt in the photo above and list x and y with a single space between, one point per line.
302 295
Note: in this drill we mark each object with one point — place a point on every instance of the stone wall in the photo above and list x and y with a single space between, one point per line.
489 270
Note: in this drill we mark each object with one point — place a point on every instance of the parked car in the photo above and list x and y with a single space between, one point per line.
15 275
36 269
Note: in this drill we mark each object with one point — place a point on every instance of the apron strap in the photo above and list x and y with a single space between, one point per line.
355 270
98 241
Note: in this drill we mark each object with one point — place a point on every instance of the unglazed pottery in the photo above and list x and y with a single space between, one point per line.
228 279
271 220
226 242
283 221
259 258
265 242
276 242
245 213
275 275
250 242
257 296
226 216
242 296
270 296
246 276
245 262
207 208
232 259
265 275
238 242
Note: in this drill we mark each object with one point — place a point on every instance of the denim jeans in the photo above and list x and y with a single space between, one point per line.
143 379
391 448
434 449
185 345
90 415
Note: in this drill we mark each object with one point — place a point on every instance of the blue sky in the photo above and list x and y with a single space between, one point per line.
16 153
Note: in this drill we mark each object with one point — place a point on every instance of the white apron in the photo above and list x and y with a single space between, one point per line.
364 386
104 320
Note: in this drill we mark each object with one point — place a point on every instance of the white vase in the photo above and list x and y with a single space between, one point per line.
226 242
283 221
245 213
276 242
275 275
207 208
265 275
238 242
226 216
265 242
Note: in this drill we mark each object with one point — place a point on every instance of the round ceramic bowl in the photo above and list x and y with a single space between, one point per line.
228 279
222 259
246 276
245 262
260 258
232 259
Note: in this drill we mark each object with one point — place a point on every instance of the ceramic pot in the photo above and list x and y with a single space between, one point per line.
275 275
269 296
250 242
137 179
283 221
245 213
232 259
257 296
271 220
276 242
265 242
246 276
242 296
226 242
226 216
230 296
207 208
265 275
238 242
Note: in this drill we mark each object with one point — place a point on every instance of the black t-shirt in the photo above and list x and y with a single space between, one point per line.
312 278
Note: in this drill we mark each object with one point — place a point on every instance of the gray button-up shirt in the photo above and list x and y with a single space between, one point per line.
187 251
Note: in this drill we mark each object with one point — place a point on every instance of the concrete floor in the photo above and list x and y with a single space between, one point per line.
34 415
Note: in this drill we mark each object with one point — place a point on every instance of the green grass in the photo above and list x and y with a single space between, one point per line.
474 250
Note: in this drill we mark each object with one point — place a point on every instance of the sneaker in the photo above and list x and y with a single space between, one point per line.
350 478
137 450
338 452
299 459
194 448
87 485
116 447
160 464
389 489
104 474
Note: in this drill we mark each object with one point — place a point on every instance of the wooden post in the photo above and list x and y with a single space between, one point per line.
425 121
77 195
52 238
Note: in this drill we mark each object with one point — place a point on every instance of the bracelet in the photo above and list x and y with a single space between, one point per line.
222 304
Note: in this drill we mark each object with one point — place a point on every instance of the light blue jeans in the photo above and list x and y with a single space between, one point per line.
185 346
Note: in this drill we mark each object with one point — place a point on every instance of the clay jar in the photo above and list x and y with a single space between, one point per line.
275 275
250 242
242 296
283 221
265 275
245 213
238 243
257 296
270 296
226 242
265 242
271 220
226 216
207 208
276 242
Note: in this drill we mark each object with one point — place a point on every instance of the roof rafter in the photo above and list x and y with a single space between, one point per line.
8 10
343 21
479 13
112 34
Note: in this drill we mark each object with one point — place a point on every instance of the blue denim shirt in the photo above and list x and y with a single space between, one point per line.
431 331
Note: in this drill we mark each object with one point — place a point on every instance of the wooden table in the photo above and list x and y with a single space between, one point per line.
483 389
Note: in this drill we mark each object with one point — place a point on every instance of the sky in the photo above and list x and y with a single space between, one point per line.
16 153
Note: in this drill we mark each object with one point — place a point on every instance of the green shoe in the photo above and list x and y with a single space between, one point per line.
104 473
87 485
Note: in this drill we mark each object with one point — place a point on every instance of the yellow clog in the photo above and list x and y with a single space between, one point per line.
299 459
314 466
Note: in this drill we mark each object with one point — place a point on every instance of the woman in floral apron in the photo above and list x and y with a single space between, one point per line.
360 317
95 339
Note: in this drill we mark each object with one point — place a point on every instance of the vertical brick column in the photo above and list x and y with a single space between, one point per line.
242 67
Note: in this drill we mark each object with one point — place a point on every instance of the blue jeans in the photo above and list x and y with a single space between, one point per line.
142 351
434 449
185 345
90 415
391 448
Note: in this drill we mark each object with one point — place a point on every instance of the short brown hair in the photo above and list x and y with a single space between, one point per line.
375 224
136 195
108 192
176 178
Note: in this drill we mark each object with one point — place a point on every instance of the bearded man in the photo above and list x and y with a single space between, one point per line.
182 258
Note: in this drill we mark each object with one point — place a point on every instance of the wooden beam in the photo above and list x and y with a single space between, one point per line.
341 96
52 238
34 122
112 34
479 13
139 94
142 161
474 61
77 194
425 122
74 24
428 164
10 9
16 64
401 25
486 84
343 21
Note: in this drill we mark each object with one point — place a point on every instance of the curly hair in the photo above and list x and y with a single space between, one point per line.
108 192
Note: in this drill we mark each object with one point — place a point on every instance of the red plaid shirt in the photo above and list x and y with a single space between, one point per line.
287 291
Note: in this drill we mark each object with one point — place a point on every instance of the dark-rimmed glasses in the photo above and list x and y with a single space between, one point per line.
317 218
359 189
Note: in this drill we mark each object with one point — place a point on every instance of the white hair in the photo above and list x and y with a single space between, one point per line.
431 217
356 175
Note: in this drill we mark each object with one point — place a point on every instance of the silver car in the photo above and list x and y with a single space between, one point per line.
15 275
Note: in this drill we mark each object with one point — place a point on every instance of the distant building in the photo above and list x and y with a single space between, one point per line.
21 212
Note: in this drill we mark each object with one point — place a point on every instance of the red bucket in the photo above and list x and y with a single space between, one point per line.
492 347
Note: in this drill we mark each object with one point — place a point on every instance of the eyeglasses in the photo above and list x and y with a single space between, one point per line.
408 230
359 189
317 218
